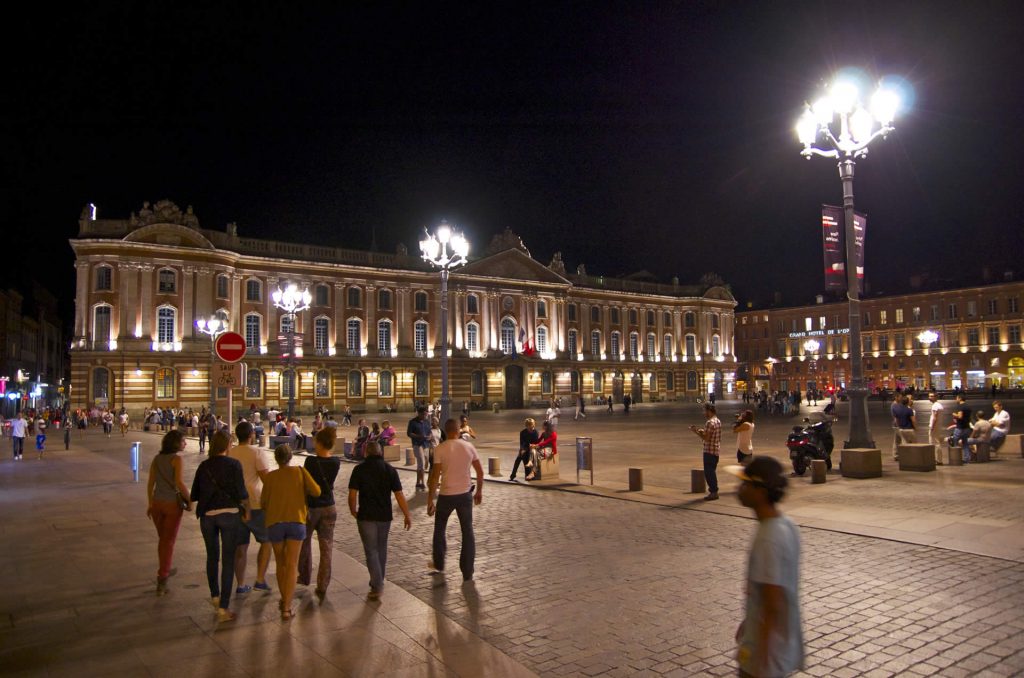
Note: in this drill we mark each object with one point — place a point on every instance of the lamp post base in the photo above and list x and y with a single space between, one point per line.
860 435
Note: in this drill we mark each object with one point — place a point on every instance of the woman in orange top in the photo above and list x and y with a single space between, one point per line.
284 509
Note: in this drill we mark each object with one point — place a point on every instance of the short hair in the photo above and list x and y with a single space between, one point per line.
997 402
451 424
710 408
220 441
243 432
385 423
421 410
282 455
372 449
325 438
529 421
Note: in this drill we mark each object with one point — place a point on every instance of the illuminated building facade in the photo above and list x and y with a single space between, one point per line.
33 350
976 341
520 332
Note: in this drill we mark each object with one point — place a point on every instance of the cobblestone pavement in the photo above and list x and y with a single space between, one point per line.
571 584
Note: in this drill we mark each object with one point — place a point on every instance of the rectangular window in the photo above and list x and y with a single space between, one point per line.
993 336
472 304
570 312
883 317
993 306
222 286
472 338
821 323
287 323
615 344
542 309
972 336
542 340
353 337
572 342
165 326
252 290
650 318
691 345
808 324
322 295
384 336
1013 334
667 319
634 346
901 342
951 311
899 316
595 314
595 343
384 385
883 342
972 309
1012 305
166 281
667 349
320 332
867 318
714 321
384 300
355 297
101 326
253 335
867 344
935 312
598 382
104 278
420 302
615 316
476 384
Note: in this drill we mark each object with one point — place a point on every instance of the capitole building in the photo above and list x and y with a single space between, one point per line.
520 333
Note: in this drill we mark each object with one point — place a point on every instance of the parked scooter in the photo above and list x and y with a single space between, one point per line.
809 442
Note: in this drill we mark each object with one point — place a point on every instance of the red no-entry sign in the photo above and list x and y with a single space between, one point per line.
230 347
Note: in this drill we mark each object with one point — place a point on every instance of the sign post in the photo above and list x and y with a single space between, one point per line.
230 347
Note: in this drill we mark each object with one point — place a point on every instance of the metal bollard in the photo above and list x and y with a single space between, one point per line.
133 460
636 480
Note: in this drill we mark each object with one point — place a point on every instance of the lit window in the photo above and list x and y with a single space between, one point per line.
355 383
253 335
508 335
321 332
634 345
472 338
595 343
385 385
354 332
542 340
384 335
287 323
166 325
164 381
716 346
420 336
322 387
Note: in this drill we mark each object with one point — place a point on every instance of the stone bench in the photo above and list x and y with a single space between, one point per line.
392 453
861 463
916 456
545 469
274 441
1013 445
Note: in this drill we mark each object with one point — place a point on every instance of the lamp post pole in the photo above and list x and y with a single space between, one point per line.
856 130
214 326
435 248
291 301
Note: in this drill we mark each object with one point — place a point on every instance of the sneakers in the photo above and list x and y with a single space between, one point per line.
711 496
261 586
243 589
161 586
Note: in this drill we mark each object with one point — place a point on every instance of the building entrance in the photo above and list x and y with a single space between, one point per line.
514 387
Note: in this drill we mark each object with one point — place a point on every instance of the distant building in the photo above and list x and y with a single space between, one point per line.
32 374
978 341
519 332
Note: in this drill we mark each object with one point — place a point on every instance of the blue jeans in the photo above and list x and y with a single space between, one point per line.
711 471
19 446
221 534
374 535
462 504
960 437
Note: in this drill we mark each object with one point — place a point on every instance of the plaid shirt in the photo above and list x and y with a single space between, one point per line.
713 436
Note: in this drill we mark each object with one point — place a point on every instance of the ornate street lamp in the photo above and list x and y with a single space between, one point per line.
214 325
291 301
446 250
857 128
927 338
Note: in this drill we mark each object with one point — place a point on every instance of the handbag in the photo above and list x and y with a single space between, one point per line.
183 503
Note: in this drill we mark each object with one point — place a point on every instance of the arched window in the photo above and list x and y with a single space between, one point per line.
385 385
691 381
652 383
476 384
691 345
355 384
421 300
668 347
163 380
595 343
101 327
689 319
253 290
716 346
615 348
223 286
321 334
355 297
167 281
595 314
104 278
508 335
634 345
383 300
166 324
652 346
384 335
322 295
354 334
472 304
422 384
420 335
287 323
573 343
473 337
253 331
100 384
546 382
542 340
574 381
322 386
253 383
670 381
288 384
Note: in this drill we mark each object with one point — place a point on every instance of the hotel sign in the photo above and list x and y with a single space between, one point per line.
819 333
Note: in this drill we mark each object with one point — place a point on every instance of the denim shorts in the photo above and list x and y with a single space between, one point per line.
279 532
255 527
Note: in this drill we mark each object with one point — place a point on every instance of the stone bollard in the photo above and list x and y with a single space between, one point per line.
954 456
636 480
983 453
818 471
916 457
697 482
861 463
494 466
410 458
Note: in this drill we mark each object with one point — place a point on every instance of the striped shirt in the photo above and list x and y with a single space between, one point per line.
713 436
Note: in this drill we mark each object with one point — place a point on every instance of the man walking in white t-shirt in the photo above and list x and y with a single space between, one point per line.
254 471
18 435
936 431
452 462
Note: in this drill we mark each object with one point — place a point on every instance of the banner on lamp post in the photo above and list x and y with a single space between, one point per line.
833 231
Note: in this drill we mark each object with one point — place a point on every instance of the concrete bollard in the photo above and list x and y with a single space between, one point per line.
954 456
818 471
494 466
636 480
697 483
982 453
410 458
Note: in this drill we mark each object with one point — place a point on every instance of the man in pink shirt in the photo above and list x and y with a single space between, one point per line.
452 462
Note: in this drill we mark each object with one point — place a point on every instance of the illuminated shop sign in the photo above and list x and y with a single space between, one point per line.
819 333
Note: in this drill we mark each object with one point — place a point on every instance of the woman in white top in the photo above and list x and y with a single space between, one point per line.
744 430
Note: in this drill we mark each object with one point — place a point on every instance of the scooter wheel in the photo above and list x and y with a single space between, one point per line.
799 467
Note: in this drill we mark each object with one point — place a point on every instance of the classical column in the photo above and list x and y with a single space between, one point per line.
484 299
81 299
206 300
493 299
237 321
458 299
146 319
273 326
187 293
677 328
340 324
127 300
606 335
369 340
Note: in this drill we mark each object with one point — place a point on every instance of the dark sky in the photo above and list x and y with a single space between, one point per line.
626 135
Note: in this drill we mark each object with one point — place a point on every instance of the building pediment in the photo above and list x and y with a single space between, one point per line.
719 292
512 265
170 234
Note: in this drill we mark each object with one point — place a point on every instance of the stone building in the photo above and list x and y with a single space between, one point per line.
977 342
519 332
32 367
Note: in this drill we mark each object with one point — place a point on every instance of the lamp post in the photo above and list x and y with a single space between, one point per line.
927 338
291 301
445 250
214 326
857 128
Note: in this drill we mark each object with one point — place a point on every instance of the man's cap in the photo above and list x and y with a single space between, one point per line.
763 471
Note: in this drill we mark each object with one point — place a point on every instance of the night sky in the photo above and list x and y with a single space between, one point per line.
629 136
